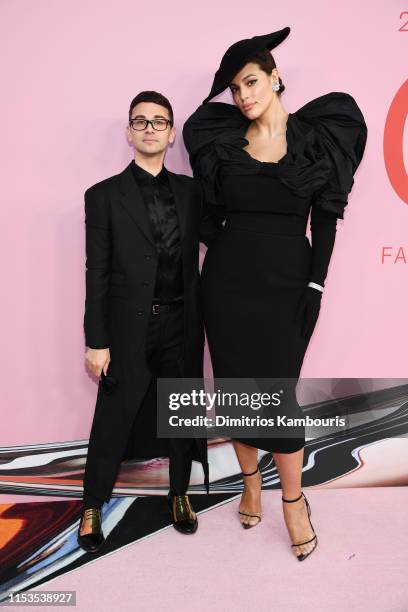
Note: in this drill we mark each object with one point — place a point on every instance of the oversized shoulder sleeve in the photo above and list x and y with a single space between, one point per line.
341 132
205 133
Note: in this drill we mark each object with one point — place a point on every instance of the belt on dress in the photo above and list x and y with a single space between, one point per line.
158 307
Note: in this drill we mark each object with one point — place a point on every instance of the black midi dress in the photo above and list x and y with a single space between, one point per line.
258 261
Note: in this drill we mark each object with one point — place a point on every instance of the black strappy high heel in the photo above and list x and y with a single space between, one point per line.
309 512
258 516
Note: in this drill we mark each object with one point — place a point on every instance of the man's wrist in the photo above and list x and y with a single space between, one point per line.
98 347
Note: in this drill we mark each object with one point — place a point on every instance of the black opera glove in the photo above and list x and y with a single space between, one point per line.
307 311
323 227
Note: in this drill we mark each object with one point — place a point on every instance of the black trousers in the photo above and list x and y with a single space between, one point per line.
164 356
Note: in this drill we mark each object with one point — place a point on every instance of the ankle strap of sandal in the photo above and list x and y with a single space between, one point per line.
289 501
250 473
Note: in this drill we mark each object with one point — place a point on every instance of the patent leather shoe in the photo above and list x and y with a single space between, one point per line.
183 517
91 542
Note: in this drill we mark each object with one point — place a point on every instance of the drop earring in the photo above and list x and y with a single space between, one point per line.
276 86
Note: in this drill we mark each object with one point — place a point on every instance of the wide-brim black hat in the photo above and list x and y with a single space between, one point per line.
238 54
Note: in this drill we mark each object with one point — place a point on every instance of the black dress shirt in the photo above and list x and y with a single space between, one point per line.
159 201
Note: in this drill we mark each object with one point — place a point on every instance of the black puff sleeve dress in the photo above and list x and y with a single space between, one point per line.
259 260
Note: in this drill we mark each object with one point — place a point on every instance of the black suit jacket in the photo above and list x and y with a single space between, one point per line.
121 265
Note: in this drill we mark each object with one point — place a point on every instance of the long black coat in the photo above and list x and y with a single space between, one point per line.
121 265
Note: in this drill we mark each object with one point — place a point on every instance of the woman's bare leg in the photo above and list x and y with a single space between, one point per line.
251 496
290 466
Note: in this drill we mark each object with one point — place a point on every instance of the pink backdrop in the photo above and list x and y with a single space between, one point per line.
69 71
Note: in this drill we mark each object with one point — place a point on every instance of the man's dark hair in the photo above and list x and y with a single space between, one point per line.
152 96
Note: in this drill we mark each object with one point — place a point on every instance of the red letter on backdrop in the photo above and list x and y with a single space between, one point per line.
393 143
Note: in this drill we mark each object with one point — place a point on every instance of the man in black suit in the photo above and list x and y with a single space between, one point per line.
142 313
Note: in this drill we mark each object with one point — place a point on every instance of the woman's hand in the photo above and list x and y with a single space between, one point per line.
97 360
307 311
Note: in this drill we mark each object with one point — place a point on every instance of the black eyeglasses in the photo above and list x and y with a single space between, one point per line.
141 124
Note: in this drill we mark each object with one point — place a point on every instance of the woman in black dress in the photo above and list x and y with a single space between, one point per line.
263 171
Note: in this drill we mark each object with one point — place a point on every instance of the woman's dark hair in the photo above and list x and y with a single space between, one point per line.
265 61
152 96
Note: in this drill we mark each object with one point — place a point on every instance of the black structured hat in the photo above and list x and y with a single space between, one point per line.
238 55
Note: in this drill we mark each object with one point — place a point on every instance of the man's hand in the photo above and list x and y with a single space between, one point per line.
97 360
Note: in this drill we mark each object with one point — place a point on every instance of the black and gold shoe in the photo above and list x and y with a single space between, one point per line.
304 556
182 514
92 541
243 513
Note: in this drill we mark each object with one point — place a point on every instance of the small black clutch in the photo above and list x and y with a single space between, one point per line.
108 382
